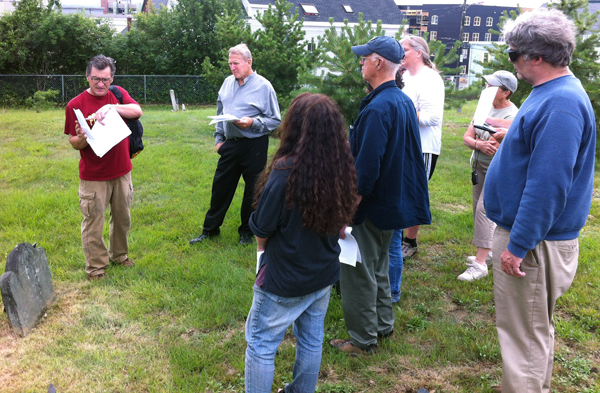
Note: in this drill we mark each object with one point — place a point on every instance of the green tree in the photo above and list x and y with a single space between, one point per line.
278 49
342 78
41 40
173 41
585 63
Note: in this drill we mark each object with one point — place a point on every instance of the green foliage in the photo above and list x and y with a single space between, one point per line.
278 49
585 63
342 77
41 40
172 42
42 100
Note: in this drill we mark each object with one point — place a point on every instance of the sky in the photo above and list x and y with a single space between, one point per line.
505 3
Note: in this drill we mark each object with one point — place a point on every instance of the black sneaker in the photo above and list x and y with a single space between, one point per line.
245 239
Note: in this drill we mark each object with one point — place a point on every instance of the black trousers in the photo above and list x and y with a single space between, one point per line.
244 157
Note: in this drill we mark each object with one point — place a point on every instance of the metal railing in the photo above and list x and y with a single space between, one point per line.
154 89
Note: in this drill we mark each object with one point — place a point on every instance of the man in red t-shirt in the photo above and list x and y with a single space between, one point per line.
103 180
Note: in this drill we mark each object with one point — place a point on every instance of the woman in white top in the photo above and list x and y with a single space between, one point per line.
425 87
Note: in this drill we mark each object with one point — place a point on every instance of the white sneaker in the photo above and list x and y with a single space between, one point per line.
475 271
488 259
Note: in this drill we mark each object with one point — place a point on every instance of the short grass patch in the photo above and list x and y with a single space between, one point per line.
175 322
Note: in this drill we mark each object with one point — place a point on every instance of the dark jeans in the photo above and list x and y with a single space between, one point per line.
239 157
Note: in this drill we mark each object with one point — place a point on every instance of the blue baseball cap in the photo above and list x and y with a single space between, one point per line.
384 46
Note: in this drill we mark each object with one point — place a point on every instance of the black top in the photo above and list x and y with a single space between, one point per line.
298 261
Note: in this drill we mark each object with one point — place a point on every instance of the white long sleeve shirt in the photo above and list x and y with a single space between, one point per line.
426 90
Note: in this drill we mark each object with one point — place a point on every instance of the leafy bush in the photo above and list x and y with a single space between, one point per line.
42 100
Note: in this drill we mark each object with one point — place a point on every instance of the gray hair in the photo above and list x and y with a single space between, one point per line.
548 34
100 62
242 50
420 45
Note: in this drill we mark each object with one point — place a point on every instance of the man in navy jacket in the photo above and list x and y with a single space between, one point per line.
392 183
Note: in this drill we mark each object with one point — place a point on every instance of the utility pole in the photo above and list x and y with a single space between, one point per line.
460 37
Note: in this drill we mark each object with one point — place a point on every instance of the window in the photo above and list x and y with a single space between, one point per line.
465 37
488 36
433 35
463 70
434 19
467 21
477 21
485 57
489 21
348 9
309 9
475 36
501 38
310 47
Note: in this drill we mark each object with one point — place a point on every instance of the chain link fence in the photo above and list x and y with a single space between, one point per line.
146 89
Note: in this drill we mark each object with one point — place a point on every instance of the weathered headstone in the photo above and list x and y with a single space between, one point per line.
26 287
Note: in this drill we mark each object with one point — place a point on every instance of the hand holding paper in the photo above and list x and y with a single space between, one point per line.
103 137
225 118
350 254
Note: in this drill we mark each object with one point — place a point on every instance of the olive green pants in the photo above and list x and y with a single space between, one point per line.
366 294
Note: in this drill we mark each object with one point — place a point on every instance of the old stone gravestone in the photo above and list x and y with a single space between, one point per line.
26 287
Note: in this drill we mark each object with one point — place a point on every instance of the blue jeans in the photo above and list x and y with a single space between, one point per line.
396 265
268 320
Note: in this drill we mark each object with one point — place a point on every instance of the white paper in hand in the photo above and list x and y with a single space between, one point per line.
225 118
258 254
486 101
103 137
350 254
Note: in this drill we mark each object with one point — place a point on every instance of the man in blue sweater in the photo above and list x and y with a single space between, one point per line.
538 190
392 184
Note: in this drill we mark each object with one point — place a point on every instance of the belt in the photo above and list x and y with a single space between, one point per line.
237 138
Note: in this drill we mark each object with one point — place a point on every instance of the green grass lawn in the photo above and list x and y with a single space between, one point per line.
175 322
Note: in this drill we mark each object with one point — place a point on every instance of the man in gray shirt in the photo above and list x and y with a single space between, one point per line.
242 144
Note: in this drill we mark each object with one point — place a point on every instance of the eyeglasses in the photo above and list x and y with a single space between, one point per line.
95 79
513 55
365 58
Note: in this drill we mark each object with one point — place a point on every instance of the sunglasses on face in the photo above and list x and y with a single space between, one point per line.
513 55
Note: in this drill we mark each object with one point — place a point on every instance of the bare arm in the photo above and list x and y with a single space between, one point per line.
127 111
486 147
261 243
497 122
78 141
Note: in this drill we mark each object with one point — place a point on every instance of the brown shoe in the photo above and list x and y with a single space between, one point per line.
347 347
95 277
127 263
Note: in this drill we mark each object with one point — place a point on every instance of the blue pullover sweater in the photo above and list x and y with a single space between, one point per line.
539 185
386 146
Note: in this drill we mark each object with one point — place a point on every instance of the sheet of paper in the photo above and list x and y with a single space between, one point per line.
486 100
350 254
226 118
258 254
83 124
103 137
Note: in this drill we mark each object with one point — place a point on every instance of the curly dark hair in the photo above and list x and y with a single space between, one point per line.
322 181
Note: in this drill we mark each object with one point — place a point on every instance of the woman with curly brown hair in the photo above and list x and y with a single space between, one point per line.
305 196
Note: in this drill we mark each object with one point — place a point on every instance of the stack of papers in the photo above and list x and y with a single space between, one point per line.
103 137
225 118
